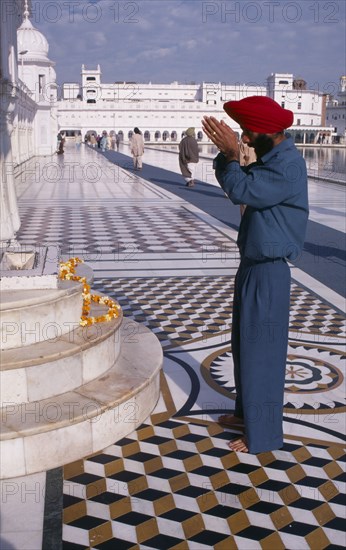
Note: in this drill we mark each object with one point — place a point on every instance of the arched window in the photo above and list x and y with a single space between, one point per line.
165 136
157 135
130 134
146 136
200 135
174 136
121 135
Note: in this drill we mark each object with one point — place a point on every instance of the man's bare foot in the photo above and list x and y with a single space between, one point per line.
239 445
230 421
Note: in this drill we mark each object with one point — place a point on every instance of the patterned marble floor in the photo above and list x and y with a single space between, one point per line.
173 482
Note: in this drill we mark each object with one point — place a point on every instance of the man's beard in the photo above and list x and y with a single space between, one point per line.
262 144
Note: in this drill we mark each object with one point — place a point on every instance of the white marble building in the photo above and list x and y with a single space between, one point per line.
336 112
164 111
36 70
28 121
161 111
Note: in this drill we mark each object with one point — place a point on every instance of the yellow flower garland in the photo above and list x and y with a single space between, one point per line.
68 272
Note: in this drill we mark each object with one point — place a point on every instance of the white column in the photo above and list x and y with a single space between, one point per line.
10 221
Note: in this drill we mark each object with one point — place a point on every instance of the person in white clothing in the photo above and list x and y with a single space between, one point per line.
137 148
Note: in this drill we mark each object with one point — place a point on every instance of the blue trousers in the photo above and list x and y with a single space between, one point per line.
259 348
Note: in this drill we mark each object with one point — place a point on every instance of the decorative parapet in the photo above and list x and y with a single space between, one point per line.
23 268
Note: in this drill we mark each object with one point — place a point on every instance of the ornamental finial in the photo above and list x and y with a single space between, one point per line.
26 9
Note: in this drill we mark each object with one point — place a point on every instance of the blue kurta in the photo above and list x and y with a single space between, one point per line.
272 229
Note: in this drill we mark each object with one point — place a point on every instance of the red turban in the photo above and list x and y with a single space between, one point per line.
259 114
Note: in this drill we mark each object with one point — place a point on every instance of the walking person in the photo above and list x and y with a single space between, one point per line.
247 156
61 143
93 141
271 232
108 143
188 156
103 141
78 139
117 141
137 148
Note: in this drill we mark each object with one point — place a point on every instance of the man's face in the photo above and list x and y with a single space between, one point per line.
249 137
262 143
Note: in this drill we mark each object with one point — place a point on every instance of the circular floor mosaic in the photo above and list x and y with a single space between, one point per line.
312 385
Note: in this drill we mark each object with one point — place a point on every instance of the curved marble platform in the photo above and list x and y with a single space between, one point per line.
56 366
27 318
48 433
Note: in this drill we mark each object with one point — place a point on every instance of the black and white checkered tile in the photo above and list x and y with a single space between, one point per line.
179 308
114 228
174 484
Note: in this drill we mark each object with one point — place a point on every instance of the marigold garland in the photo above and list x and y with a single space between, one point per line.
68 272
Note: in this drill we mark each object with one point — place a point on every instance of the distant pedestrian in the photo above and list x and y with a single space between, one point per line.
117 141
93 140
137 148
61 143
103 141
78 139
247 156
188 156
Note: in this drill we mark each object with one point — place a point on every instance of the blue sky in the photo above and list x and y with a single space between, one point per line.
196 40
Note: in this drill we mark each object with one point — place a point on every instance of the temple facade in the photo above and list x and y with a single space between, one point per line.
336 112
164 111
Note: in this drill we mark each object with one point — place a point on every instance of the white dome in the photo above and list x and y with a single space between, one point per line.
52 74
31 40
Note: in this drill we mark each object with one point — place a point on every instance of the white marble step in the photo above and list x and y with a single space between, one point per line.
52 432
28 317
31 316
50 368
